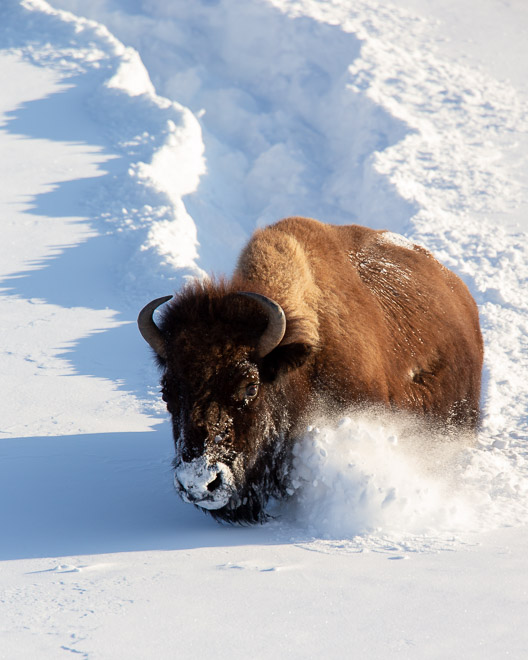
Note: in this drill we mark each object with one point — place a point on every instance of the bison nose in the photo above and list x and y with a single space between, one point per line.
215 483
203 484
194 487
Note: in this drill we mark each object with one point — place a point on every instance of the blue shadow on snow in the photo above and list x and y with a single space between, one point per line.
99 493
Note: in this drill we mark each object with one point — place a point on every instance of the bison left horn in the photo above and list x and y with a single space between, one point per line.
273 334
149 330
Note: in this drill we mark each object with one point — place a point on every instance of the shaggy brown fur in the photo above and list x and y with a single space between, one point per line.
368 322
388 324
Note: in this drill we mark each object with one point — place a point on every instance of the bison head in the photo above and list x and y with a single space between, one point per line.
233 392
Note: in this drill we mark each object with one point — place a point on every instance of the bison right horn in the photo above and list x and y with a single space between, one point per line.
149 330
273 334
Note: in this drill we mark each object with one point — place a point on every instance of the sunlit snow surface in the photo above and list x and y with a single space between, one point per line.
141 146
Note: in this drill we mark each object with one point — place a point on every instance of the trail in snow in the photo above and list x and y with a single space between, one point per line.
345 123
283 134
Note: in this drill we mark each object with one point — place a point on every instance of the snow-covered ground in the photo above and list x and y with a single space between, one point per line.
142 142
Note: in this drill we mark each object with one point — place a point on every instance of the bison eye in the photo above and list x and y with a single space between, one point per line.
247 390
252 390
168 398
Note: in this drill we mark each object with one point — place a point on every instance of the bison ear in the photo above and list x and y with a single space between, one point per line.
284 359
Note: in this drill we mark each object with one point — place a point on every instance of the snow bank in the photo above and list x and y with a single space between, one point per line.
159 141
95 168
285 134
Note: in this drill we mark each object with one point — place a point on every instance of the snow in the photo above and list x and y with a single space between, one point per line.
396 239
142 144
193 478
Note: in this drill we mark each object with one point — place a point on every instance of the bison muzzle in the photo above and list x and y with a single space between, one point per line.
316 317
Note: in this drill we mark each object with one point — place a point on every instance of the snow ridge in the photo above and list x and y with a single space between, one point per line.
159 141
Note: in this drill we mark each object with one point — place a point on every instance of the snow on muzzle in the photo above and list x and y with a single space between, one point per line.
203 484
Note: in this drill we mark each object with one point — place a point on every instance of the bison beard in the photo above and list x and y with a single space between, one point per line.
315 317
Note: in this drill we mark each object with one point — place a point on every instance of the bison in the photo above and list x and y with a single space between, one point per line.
315 317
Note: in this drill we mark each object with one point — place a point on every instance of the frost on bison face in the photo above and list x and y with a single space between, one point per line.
314 316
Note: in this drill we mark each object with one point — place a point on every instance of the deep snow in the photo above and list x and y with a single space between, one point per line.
142 146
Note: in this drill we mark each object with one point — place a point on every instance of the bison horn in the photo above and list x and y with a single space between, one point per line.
273 334
149 330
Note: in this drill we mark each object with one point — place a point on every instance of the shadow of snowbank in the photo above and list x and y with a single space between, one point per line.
90 203
98 493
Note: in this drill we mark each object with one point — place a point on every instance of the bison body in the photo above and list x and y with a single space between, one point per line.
315 317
